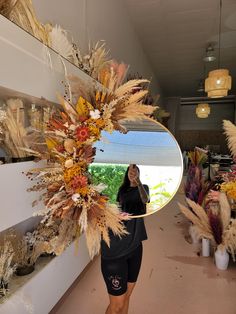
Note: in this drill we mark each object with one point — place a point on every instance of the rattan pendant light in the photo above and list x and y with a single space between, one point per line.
203 110
219 81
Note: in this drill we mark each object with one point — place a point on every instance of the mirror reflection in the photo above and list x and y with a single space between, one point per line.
155 152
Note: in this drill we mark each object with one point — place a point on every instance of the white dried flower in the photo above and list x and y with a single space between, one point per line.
72 127
95 114
69 163
75 197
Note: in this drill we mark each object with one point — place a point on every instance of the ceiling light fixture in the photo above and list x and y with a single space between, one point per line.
203 110
209 57
219 81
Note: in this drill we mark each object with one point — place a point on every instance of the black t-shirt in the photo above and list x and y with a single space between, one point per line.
131 203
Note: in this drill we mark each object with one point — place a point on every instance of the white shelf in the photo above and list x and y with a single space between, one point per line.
43 290
26 73
16 202
24 64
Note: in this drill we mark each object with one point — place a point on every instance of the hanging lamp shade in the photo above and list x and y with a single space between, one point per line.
203 111
218 83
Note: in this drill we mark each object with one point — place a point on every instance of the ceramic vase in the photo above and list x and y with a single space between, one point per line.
205 247
221 258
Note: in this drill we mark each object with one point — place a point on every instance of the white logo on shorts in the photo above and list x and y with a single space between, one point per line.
115 281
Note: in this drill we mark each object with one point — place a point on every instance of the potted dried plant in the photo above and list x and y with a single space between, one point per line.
6 268
44 233
212 224
25 256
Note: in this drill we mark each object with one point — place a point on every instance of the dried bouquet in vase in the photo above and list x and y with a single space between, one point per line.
6 267
25 256
212 224
70 135
13 130
196 187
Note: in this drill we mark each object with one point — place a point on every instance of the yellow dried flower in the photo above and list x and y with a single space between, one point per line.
100 123
69 173
229 188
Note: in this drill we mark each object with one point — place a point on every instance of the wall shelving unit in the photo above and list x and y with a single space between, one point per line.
28 72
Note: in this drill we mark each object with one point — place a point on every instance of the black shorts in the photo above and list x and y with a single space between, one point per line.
118 272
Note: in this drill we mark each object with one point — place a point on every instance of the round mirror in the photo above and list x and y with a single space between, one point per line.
153 149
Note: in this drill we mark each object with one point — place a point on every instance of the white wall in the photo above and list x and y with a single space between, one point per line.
93 20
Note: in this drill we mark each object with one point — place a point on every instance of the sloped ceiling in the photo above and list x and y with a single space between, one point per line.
175 33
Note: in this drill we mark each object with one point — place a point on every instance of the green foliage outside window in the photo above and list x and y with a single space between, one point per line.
110 175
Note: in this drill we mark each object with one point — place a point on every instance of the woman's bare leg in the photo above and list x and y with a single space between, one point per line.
130 289
117 304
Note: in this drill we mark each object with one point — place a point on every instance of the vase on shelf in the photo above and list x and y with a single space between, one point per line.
3 287
25 270
205 247
221 258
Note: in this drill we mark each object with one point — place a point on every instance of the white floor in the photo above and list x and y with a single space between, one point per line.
174 279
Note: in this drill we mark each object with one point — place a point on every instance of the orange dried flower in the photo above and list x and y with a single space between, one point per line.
79 181
82 133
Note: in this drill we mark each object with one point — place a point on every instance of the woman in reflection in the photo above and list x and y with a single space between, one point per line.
122 261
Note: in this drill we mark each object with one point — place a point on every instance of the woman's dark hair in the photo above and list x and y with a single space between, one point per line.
126 183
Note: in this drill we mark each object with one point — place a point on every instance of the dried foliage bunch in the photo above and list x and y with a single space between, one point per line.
229 184
6 267
3 117
230 132
69 137
25 255
230 239
12 130
55 235
215 223
23 14
196 187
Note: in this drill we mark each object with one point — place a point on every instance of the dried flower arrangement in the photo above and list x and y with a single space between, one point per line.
67 232
3 117
25 255
69 137
23 14
196 187
230 131
212 224
12 130
6 267
230 239
55 235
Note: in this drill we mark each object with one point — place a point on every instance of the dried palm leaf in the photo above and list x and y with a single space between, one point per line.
230 131
200 212
132 112
196 221
230 239
6 6
100 220
225 210
129 87
23 14
15 136
60 43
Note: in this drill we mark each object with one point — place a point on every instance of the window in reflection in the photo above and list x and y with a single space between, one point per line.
160 179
